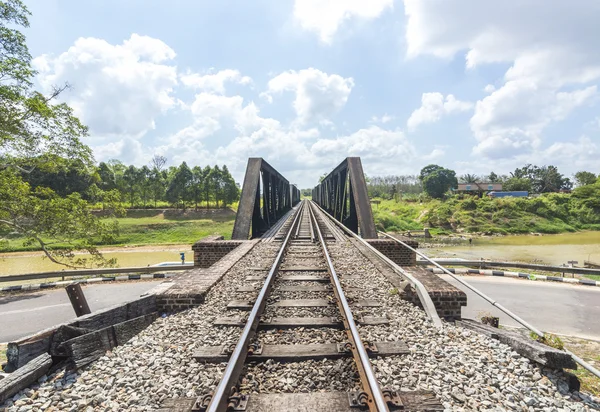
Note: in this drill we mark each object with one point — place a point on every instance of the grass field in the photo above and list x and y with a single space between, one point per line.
153 227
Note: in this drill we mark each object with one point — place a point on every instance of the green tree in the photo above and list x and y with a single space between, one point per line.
197 185
584 178
144 184
206 177
157 177
30 124
215 181
35 132
131 177
58 225
517 184
437 180
179 189
470 178
231 192
494 178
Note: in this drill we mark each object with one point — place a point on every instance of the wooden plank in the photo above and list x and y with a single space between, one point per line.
23 350
531 349
302 303
296 353
25 376
281 323
240 305
248 288
313 288
303 269
255 278
304 278
127 330
177 405
420 400
85 349
300 402
63 334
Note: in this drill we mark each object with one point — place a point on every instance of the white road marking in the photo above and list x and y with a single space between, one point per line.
12 312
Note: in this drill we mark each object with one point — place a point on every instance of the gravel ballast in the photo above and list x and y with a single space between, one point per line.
466 370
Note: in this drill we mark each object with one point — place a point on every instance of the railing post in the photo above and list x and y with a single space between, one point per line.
78 301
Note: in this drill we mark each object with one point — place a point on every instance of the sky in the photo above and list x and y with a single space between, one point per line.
475 86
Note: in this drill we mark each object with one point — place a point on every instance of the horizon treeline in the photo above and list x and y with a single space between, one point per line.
139 187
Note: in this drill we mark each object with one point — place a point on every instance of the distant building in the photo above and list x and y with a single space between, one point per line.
478 187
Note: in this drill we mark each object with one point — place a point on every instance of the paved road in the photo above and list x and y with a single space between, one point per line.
26 313
557 308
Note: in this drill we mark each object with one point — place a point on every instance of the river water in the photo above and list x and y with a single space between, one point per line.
31 262
547 249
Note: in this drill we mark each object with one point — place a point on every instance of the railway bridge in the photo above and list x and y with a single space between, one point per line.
306 308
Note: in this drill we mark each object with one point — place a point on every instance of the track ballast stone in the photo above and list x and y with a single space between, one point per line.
466 370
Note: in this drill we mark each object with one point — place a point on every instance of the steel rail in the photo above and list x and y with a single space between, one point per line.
424 297
220 398
496 304
376 399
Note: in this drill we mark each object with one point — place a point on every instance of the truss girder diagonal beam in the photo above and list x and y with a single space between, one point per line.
266 197
343 194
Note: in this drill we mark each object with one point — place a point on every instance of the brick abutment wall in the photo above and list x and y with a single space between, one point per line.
211 249
396 252
448 300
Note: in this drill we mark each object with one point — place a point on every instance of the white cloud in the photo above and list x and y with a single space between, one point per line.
319 95
490 88
117 89
433 107
383 119
324 17
551 47
214 82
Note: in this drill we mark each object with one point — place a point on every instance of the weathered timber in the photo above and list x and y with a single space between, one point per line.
63 334
302 322
418 401
177 405
255 278
373 320
290 303
304 278
296 353
302 303
531 349
85 349
23 350
284 288
314 288
302 269
25 376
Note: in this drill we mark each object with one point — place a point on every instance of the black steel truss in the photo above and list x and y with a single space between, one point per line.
343 194
266 197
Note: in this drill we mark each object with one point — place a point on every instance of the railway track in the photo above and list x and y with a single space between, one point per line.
298 294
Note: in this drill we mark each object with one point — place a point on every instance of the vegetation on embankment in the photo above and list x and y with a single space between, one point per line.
549 213
154 227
